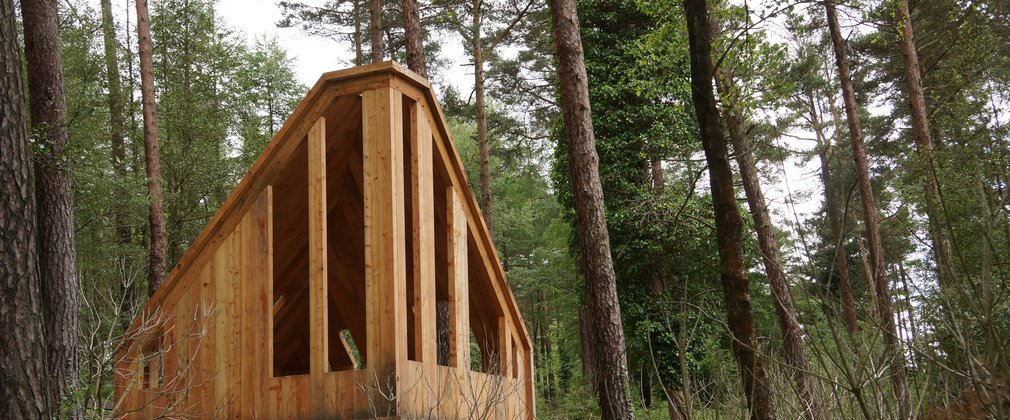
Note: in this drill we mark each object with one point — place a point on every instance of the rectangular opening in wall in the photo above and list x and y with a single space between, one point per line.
153 362
412 303
485 309
517 355
290 311
345 241
443 331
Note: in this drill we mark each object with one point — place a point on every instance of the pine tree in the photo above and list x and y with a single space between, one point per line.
23 392
57 256
728 224
594 240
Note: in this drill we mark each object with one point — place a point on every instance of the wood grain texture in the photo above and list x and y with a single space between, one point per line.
385 253
365 155
459 295
318 325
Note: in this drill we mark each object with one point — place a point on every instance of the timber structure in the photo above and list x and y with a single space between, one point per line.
330 278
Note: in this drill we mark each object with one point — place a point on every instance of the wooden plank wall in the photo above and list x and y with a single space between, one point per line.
217 322
220 314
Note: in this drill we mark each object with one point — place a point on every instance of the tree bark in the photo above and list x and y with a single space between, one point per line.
587 191
482 140
116 119
782 299
876 248
117 140
156 265
53 195
728 224
587 336
658 176
375 29
924 144
23 351
831 208
358 54
442 331
412 33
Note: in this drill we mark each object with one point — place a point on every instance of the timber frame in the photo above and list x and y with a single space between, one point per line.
313 290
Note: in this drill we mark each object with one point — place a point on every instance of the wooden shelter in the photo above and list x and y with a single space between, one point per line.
314 290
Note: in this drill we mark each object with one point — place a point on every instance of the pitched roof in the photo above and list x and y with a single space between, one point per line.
280 150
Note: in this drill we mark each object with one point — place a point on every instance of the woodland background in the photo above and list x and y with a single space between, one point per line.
913 328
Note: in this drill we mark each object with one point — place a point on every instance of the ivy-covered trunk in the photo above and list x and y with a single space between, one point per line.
728 225
604 310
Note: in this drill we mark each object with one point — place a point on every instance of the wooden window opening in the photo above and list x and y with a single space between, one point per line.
345 236
290 313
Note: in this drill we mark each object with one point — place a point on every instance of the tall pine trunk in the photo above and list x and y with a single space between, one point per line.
375 29
117 140
23 351
924 144
53 195
412 35
358 53
879 267
157 262
834 219
587 193
482 140
728 224
782 299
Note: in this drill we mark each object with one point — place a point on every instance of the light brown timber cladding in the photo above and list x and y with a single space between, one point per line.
423 201
318 327
361 151
459 295
385 253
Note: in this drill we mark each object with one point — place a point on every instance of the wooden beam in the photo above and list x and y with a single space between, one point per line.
318 320
422 188
385 251
504 347
257 328
459 294
422 180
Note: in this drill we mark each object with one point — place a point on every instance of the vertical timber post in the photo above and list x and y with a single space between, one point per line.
422 196
385 250
459 294
318 328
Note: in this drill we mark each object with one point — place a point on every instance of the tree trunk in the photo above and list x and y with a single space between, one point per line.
117 124
358 53
375 29
879 267
412 33
658 176
924 144
587 336
442 332
837 227
729 232
482 140
53 195
23 351
591 224
116 119
156 265
782 299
